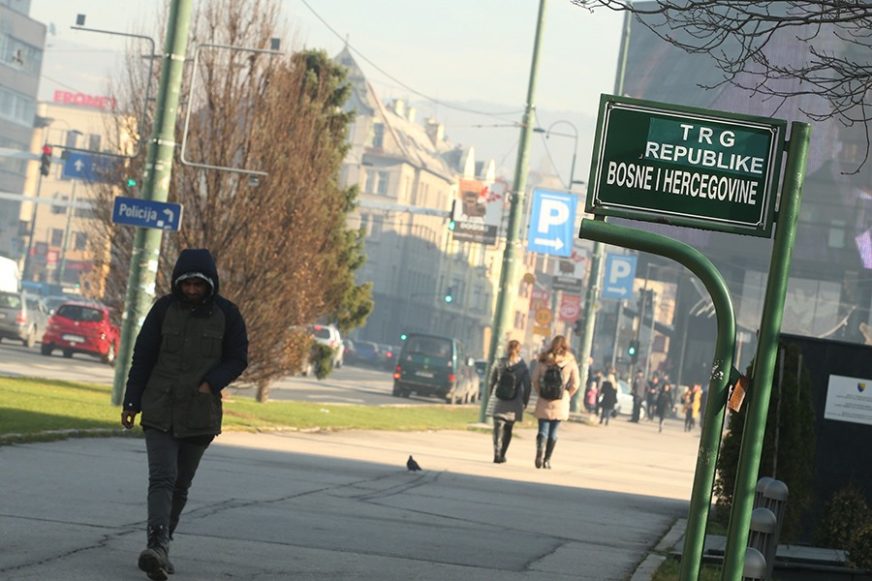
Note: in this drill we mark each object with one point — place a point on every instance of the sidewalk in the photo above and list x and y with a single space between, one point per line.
342 506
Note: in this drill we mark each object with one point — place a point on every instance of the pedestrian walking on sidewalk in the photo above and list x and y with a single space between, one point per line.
665 402
510 385
640 390
555 381
608 397
192 344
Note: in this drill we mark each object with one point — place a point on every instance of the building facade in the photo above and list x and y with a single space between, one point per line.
21 54
56 219
408 175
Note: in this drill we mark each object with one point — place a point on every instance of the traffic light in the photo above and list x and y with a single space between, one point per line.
403 336
131 183
633 350
45 160
449 295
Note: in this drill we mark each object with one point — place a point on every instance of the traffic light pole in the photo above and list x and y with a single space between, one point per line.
156 183
508 273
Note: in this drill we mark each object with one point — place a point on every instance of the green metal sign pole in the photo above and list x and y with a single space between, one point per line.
713 422
508 274
764 362
156 186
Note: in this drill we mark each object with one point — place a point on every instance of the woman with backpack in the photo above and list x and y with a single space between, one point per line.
510 385
555 381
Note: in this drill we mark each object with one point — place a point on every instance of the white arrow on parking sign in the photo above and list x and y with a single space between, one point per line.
556 243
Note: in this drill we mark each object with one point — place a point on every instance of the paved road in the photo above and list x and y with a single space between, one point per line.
349 384
342 506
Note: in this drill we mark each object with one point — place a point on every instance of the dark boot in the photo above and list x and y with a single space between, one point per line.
540 449
498 440
507 438
549 449
153 560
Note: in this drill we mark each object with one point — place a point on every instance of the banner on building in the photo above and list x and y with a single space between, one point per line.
478 211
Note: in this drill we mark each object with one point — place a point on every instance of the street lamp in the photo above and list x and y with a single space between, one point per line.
574 135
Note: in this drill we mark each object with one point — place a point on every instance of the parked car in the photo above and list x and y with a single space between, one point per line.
625 400
78 327
22 317
349 352
389 356
329 335
431 365
367 353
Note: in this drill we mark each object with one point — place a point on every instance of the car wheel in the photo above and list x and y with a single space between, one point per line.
30 340
110 355
46 349
68 353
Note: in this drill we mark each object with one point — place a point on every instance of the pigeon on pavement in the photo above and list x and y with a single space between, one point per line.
412 465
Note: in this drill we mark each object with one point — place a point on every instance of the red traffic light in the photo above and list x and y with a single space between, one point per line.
46 149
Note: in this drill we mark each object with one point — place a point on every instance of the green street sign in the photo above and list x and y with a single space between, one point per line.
685 166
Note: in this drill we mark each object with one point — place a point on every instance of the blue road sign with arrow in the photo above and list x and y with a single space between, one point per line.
552 222
147 213
620 272
90 168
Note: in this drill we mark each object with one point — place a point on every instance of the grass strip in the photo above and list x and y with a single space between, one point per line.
39 409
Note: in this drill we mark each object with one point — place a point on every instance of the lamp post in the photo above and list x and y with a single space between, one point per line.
573 403
574 135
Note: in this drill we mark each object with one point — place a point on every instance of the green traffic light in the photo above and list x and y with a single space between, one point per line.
131 183
449 298
403 337
452 225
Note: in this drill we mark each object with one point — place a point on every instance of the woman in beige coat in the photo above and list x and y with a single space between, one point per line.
551 412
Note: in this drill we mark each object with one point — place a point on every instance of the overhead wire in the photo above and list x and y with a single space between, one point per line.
425 96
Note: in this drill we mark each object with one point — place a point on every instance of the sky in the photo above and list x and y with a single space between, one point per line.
475 54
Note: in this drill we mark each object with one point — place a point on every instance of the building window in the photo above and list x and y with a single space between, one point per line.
94 142
72 139
59 208
837 234
81 241
378 135
19 55
369 186
382 187
364 224
16 107
377 227
57 236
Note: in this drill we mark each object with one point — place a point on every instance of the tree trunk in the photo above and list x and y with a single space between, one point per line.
263 388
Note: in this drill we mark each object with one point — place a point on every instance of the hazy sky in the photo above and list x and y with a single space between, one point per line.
472 52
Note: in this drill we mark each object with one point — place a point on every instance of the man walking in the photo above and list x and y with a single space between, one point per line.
192 344
640 389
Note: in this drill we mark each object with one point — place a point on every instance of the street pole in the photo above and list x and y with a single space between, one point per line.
508 279
767 347
26 272
156 184
596 263
71 209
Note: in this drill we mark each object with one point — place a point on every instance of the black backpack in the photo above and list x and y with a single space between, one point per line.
551 386
507 385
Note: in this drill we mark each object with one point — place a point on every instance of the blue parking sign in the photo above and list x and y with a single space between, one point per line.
620 272
552 222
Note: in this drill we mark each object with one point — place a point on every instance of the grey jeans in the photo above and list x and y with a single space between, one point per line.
172 463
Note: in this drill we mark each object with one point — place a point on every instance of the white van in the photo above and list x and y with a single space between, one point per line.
10 279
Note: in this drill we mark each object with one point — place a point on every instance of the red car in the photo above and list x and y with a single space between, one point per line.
82 328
